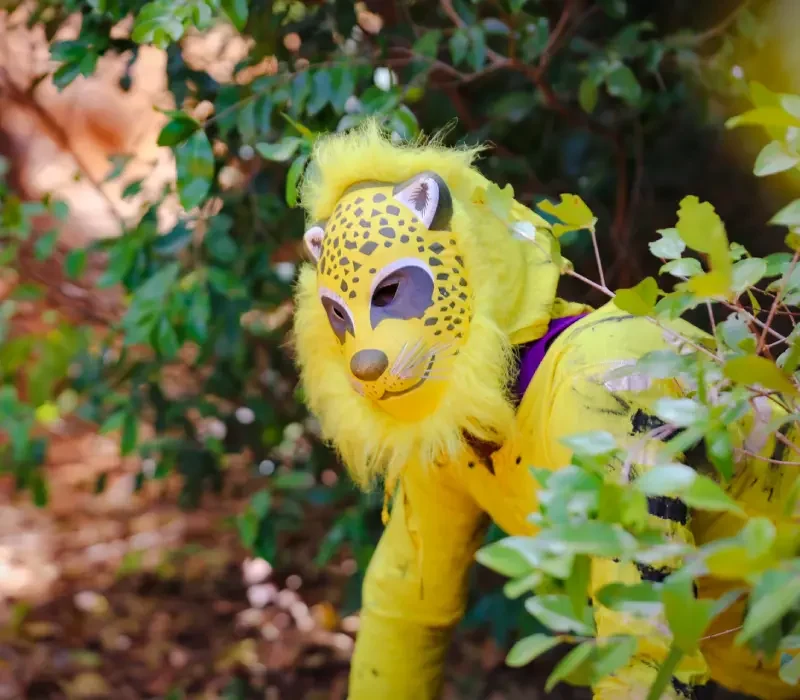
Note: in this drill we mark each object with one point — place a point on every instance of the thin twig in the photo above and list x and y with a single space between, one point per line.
776 301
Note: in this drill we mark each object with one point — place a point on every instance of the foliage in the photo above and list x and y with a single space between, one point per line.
565 93
585 513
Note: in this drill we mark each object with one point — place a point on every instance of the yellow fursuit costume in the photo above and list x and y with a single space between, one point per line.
407 331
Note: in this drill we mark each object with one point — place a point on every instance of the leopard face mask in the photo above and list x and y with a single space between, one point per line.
392 281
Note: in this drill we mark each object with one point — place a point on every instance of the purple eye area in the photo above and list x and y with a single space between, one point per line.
337 317
403 294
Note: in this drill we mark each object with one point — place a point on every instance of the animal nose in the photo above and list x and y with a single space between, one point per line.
368 365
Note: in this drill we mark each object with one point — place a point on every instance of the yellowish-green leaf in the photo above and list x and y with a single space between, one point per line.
788 216
572 213
752 369
769 608
764 116
774 158
500 201
47 413
707 285
639 300
528 648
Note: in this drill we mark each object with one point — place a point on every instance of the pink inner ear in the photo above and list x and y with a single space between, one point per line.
313 241
422 198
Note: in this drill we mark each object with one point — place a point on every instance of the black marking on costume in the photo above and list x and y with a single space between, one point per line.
433 262
642 422
350 245
652 574
436 247
363 223
432 321
404 239
668 509
392 209
387 232
379 198
368 248
482 449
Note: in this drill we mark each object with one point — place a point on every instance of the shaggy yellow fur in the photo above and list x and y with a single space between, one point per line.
511 306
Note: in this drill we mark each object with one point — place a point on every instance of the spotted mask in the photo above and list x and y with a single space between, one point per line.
392 282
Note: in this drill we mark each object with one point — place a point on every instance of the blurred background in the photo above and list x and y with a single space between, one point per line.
170 524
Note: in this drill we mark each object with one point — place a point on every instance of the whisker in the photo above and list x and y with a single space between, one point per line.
399 358
431 354
410 361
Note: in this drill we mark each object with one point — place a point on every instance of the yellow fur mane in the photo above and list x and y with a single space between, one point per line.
514 286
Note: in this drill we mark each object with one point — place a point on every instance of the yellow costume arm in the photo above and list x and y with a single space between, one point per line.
415 588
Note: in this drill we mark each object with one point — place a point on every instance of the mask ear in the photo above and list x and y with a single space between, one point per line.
312 239
427 196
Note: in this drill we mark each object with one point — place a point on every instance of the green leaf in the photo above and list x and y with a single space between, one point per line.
177 130
687 616
293 480
505 559
719 449
572 212
590 444
639 300
614 8
670 246
321 92
477 52
45 245
788 216
166 339
589 537
537 35
587 95
428 44
529 648
555 612
752 369
774 158
665 674
130 429
636 599
763 116
747 273
789 672
572 664
66 74
237 11
343 85
281 151
260 503
613 655
702 230
293 179
680 412
195 164
459 45
666 480
113 422
683 267
174 241
622 83
769 608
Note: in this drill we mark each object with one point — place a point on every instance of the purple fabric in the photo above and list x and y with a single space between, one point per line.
533 353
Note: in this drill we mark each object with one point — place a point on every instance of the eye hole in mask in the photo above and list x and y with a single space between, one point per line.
386 293
338 316
404 290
